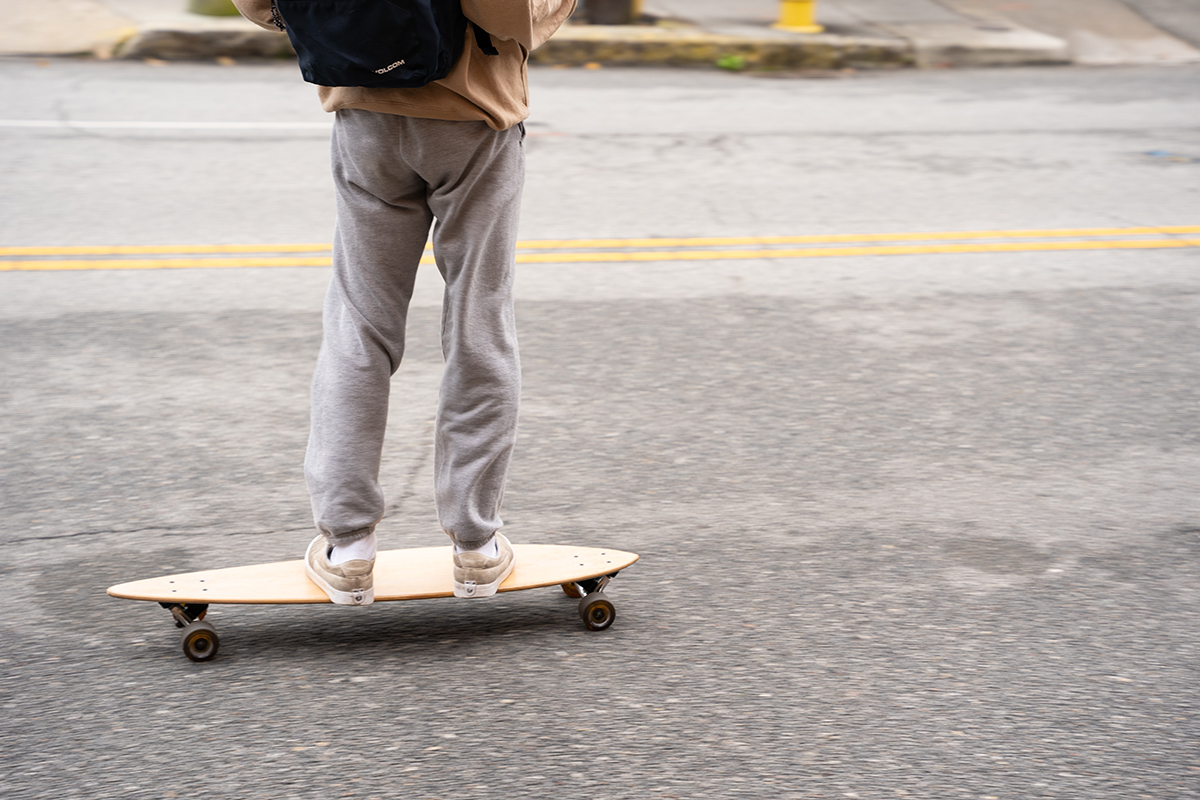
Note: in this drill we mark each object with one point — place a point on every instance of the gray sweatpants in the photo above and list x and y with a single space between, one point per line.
394 176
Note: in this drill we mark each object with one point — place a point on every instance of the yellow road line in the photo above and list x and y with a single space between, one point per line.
827 252
847 238
636 256
164 263
590 244
157 249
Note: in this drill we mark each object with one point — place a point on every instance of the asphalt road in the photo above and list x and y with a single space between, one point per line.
921 525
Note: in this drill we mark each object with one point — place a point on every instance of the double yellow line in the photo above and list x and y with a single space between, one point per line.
612 251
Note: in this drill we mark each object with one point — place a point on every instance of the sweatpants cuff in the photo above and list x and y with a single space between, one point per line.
343 539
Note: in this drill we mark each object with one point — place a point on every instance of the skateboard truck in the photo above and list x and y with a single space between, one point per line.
596 610
186 613
199 640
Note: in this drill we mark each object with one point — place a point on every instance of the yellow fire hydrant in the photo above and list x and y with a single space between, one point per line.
798 16
212 8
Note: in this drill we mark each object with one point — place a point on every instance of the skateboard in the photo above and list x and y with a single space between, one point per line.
410 574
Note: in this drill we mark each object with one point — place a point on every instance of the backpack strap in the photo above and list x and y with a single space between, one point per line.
276 17
484 40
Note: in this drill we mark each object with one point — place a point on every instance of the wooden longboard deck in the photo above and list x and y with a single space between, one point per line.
411 574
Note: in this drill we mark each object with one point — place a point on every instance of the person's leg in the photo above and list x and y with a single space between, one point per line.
382 226
476 177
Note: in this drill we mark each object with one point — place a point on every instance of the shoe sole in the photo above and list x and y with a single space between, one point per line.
361 597
472 590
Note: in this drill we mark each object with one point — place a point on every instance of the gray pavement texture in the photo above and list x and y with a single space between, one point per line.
925 526
881 33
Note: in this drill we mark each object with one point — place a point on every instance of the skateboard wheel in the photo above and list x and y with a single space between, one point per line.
596 611
571 590
200 641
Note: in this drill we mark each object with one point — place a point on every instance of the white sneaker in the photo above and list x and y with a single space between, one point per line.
476 575
347 584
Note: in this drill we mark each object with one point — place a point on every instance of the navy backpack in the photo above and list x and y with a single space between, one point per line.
385 44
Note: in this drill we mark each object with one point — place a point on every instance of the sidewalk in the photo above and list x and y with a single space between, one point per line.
738 33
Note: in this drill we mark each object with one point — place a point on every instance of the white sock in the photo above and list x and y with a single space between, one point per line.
489 550
362 549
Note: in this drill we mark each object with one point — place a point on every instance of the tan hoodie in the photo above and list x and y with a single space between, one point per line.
494 89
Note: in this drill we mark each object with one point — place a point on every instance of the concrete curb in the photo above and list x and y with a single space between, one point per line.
191 37
956 44
626 45
199 39
687 46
